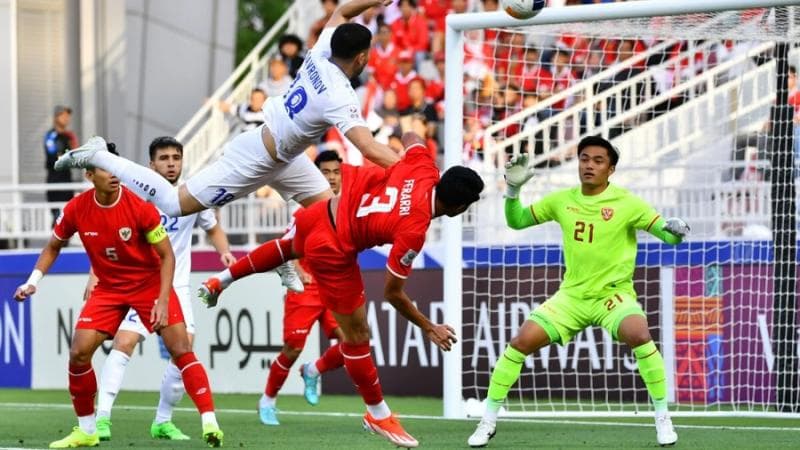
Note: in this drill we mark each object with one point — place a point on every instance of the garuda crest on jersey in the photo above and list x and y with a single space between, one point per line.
607 213
125 233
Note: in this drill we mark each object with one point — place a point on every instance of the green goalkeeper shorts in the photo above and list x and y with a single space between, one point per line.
562 317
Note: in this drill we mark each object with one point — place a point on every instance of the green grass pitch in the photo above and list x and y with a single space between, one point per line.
32 419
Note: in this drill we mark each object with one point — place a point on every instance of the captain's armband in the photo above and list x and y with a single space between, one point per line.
156 235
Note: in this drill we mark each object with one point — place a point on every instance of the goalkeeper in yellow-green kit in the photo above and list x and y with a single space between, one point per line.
598 223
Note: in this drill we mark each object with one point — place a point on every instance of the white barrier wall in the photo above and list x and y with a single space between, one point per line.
236 341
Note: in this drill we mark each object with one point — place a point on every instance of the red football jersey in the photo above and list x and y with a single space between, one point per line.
394 206
115 238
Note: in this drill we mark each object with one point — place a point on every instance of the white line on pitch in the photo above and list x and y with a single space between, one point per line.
412 416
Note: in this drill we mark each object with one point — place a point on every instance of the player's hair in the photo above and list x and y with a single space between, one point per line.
411 3
613 152
327 155
459 186
164 142
350 39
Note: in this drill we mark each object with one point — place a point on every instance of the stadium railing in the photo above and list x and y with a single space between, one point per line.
700 193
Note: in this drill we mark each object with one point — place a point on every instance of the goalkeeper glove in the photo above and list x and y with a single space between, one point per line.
677 227
517 174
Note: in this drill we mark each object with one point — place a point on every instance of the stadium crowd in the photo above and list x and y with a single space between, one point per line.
505 72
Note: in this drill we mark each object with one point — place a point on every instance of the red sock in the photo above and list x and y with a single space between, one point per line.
82 388
264 258
195 381
331 359
361 368
278 372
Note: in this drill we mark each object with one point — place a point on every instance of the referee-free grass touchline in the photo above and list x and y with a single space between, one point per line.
15 405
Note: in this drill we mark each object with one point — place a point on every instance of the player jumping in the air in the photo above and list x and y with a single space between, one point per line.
376 207
166 158
300 311
320 97
131 255
599 223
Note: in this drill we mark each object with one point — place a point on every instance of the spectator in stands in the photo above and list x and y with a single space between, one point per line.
291 48
388 110
329 6
410 31
383 57
57 141
436 11
250 114
278 79
420 106
434 88
794 102
405 61
563 77
535 78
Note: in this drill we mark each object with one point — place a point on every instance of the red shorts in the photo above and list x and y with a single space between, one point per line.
105 310
298 318
335 270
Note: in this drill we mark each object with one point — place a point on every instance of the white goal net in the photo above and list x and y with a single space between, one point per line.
702 107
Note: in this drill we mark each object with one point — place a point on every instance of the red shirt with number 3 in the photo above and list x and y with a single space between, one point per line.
394 205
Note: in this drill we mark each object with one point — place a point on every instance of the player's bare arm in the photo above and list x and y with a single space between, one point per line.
444 336
159 314
373 150
49 254
352 9
219 240
90 284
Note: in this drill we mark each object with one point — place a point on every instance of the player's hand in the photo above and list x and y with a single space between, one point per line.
24 291
677 227
517 174
227 259
159 313
305 277
444 336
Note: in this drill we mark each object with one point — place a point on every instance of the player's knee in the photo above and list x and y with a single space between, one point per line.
637 338
357 334
292 348
178 347
125 344
79 356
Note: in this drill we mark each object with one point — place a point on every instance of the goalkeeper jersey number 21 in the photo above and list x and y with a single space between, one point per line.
599 237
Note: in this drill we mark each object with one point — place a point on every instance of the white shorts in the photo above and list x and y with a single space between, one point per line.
133 322
246 166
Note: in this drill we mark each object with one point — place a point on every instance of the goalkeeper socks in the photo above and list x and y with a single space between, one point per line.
505 374
651 369
195 381
264 258
171 393
82 388
145 182
330 360
110 381
278 372
361 368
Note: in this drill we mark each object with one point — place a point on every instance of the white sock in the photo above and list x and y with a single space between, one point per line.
87 424
661 407
110 382
225 278
311 369
146 183
491 411
171 393
379 411
266 401
208 418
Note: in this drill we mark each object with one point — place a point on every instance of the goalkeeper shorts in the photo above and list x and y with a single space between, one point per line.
562 316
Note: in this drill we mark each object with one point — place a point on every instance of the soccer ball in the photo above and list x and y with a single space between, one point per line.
522 9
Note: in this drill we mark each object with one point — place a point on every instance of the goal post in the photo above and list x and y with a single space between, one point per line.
727 276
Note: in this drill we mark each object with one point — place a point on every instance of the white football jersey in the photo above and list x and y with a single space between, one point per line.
320 97
179 230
